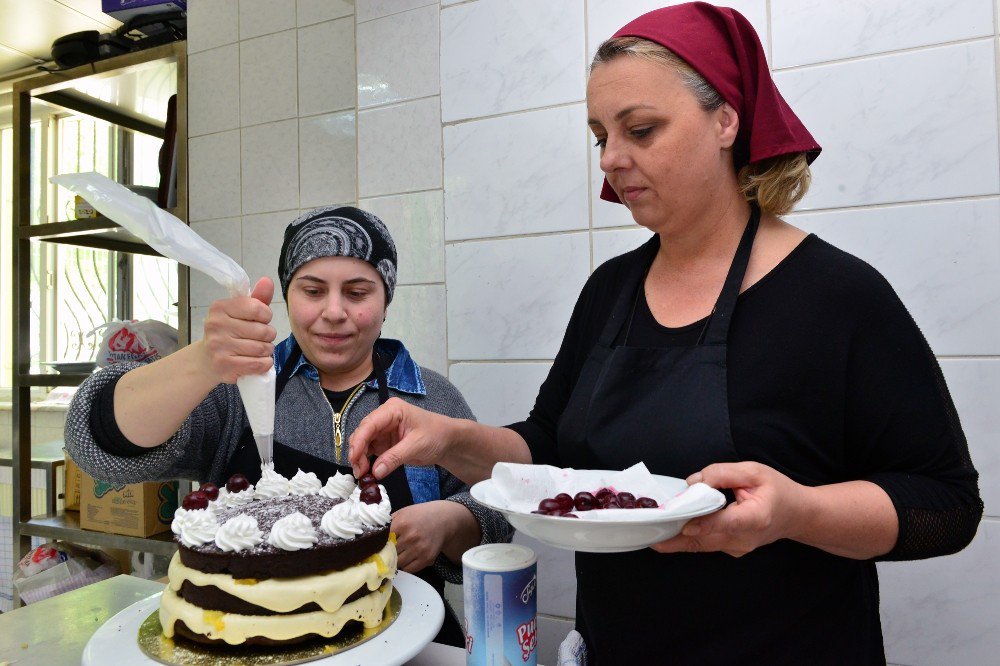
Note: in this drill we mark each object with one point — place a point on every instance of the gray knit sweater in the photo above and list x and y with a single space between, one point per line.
201 448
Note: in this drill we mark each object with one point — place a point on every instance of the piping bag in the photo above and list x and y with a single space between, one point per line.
172 238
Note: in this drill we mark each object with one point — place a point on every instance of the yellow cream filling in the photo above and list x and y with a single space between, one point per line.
283 595
235 629
214 618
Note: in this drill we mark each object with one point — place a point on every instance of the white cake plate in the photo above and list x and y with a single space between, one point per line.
419 621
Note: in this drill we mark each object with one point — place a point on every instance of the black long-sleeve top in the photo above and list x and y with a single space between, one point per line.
829 380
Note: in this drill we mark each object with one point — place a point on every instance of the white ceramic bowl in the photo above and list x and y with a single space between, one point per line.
604 531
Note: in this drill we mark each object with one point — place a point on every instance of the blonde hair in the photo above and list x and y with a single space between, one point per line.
775 184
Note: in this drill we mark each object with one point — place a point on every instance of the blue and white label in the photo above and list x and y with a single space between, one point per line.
500 606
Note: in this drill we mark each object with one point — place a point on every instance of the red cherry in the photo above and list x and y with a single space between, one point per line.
646 503
194 501
604 492
625 496
371 494
609 502
626 503
584 501
367 480
211 490
237 483
549 505
565 501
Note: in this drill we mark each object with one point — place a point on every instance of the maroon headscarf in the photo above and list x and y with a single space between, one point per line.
722 46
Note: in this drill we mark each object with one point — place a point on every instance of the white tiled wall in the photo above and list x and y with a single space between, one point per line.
462 124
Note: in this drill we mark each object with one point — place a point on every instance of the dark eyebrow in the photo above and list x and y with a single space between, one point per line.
313 278
621 114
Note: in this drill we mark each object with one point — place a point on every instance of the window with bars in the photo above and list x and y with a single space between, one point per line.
76 289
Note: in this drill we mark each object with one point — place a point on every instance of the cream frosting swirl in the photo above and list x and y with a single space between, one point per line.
240 498
339 486
293 532
342 521
238 533
304 483
218 505
271 483
178 521
195 528
374 515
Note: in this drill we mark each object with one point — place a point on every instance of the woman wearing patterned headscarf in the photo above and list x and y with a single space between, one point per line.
181 416
736 350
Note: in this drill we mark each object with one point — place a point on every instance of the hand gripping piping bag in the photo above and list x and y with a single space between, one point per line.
172 238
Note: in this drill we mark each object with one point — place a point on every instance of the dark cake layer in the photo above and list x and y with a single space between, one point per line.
266 561
210 597
181 629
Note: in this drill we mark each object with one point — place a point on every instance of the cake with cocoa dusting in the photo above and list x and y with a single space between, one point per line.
283 562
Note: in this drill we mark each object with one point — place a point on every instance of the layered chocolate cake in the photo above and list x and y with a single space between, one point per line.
279 563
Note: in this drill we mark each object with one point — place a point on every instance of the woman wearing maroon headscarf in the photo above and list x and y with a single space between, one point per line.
734 349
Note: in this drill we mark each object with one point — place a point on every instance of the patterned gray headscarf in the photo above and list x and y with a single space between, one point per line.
338 231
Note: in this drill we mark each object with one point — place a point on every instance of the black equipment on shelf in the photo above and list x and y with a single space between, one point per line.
139 32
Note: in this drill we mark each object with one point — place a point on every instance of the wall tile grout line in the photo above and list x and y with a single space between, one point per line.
539 234
586 133
881 54
404 11
504 114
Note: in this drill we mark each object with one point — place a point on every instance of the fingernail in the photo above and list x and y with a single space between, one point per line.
694 478
379 471
692 530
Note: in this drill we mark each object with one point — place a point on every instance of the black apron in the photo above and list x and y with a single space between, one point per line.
288 460
667 408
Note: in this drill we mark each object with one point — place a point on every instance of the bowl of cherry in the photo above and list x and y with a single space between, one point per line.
603 519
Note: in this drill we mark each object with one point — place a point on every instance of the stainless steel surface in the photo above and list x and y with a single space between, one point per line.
66 525
56 630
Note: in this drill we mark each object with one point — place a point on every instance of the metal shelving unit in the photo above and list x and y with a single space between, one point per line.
65 525
68 90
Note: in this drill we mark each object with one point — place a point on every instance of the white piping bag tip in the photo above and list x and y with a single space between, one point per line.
265 447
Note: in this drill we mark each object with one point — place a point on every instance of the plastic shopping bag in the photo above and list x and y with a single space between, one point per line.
134 341
172 238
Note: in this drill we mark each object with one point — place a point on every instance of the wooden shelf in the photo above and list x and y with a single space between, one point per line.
65 525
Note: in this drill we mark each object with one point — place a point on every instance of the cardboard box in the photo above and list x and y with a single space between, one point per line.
123 10
138 509
71 493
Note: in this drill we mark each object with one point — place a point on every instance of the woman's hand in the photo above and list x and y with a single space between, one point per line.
768 507
398 433
239 339
421 531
